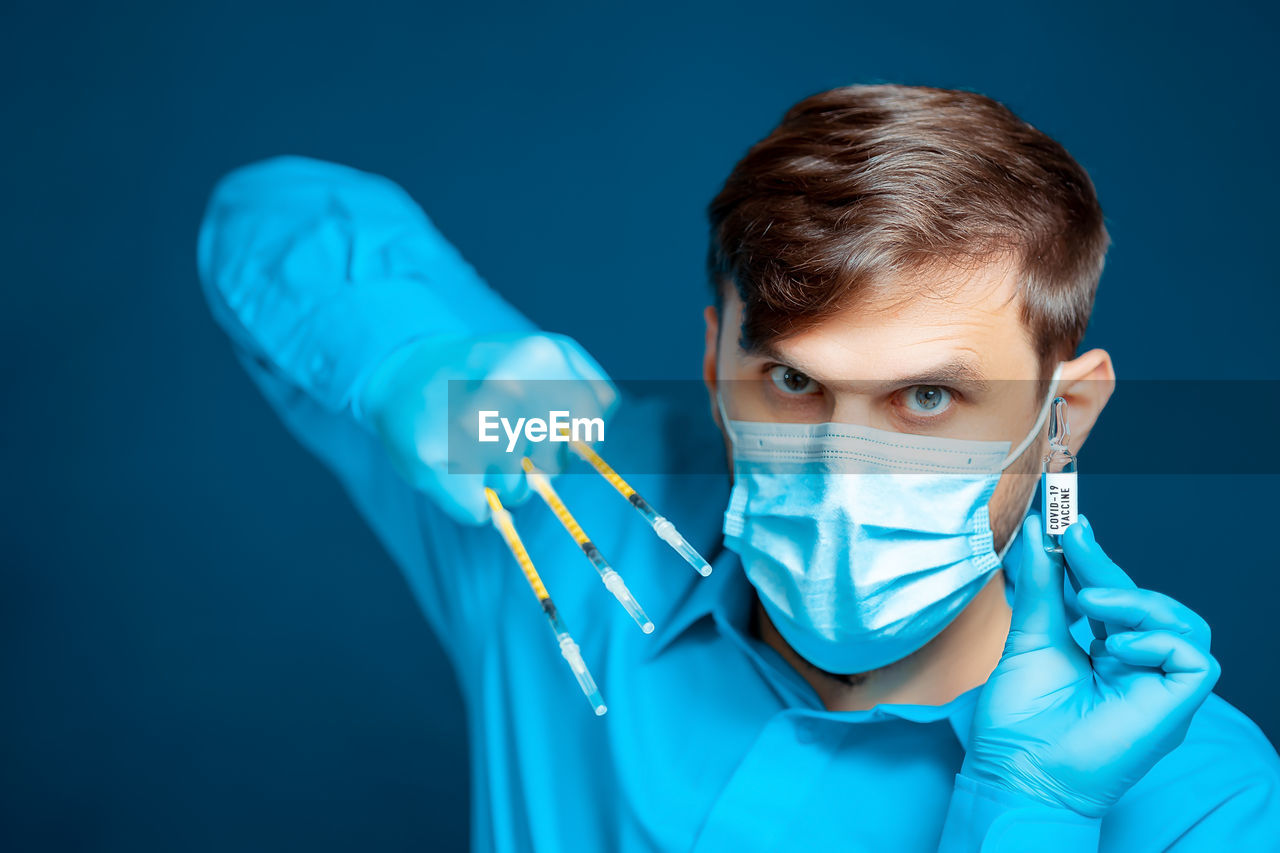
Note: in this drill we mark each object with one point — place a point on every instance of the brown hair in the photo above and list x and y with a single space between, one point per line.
862 183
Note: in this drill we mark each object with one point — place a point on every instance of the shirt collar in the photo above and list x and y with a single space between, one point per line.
701 597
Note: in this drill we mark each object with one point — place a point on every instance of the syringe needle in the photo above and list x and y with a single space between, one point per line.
665 529
613 582
568 648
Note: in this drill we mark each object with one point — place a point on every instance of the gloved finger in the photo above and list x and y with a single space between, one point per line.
585 420
1173 654
1088 562
462 497
1039 612
1106 666
1089 566
506 477
548 457
580 363
553 358
1143 610
1096 627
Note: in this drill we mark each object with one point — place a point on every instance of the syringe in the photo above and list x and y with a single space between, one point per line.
568 648
665 529
613 582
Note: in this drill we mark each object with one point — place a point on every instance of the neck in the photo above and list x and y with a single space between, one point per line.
959 659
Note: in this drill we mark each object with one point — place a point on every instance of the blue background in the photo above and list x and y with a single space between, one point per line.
203 647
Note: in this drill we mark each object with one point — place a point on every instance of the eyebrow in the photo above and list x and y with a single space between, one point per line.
956 371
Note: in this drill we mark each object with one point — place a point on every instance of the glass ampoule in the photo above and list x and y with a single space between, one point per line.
1058 483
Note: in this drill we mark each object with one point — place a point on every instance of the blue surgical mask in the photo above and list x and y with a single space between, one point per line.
863 544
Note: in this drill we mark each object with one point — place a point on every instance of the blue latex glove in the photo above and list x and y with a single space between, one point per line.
430 427
1077 730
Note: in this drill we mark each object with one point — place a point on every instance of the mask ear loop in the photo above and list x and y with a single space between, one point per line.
1021 448
1040 419
724 417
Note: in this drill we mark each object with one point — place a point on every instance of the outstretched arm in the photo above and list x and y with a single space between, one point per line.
319 273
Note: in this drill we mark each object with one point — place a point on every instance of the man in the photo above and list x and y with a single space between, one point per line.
882 658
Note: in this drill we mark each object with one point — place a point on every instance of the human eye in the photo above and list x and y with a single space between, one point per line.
922 402
791 382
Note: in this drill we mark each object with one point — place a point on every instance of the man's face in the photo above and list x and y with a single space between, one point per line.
953 359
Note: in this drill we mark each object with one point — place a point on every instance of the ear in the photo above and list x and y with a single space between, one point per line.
711 343
1086 384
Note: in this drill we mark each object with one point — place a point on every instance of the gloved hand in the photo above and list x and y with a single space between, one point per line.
429 425
1077 730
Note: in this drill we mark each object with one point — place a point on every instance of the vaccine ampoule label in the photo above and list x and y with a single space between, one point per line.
1060 502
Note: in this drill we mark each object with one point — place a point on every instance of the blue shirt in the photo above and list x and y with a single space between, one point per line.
712 740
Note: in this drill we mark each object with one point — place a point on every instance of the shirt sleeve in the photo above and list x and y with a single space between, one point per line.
317 272
1248 816
985 818
1220 789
